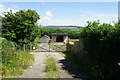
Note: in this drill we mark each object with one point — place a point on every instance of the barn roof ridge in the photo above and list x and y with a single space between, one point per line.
45 36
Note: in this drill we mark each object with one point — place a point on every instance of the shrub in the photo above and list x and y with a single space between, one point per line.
102 42
20 27
101 52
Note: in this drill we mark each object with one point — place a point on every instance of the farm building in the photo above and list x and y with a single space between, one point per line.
45 39
59 37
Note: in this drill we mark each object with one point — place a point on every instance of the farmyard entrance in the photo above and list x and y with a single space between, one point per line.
51 47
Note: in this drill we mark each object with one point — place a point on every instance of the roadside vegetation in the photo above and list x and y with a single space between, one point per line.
14 61
20 27
19 31
57 47
51 68
101 53
99 59
73 40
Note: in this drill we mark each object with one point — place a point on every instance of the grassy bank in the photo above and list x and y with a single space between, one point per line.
14 61
98 52
73 40
72 60
15 64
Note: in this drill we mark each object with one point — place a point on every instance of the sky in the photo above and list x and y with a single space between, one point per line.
119 11
67 13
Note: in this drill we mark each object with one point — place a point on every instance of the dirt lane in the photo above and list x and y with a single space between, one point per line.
37 70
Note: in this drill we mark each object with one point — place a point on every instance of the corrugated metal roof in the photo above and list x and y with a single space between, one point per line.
59 34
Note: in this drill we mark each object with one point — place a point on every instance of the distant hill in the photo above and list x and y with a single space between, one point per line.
62 27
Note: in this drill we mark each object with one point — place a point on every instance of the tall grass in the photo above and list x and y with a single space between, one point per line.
14 62
51 68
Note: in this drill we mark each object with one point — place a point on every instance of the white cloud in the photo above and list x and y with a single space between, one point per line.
104 18
48 13
53 21
81 20
1 6
13 10
2 9
14 6
46 19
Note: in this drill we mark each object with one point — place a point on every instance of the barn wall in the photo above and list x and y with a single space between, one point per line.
54 38
44 39
65 38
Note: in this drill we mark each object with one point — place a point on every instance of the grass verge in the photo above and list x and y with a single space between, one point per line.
51 68
14 61
73 40
14 64
74 62
58 47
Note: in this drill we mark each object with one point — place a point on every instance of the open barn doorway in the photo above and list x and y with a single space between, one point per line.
59 39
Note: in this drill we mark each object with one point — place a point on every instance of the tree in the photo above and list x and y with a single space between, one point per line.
20 27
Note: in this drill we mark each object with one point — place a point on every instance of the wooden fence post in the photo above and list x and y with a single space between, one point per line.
49 42
24 47
30 46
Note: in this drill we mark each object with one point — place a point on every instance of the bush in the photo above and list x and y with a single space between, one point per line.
20 27
101 52
102 42
35 42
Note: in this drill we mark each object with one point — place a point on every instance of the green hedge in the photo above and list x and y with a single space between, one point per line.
102 45
13 61
102 42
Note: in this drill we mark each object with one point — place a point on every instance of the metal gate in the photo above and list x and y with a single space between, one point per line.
51 47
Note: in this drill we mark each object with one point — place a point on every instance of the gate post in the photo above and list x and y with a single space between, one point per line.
30 46
49 44
24 47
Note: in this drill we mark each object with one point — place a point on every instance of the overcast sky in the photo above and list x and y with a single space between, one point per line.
67 13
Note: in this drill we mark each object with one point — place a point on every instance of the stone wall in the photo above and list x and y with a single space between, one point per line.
76 48
53 38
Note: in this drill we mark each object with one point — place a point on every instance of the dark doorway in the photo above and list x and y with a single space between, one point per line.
59 39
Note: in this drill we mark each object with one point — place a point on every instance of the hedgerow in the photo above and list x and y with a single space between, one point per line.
101 50
102 43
